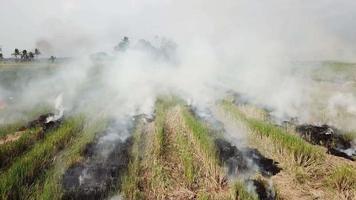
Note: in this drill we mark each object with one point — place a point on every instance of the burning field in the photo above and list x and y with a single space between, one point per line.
111 130
177 100
178 152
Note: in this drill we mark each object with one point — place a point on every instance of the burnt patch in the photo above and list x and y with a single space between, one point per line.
97 176
339 153
262 190
239 161
230 156
326 136
42 122
267 166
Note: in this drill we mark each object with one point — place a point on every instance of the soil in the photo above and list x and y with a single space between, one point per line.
267 166
326 136
41 121
231 157
263 191
96 177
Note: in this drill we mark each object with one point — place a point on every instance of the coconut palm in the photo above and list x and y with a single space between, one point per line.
52 59
31 56
37 52
24 55
16 53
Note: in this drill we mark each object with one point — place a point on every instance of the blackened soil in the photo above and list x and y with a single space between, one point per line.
230 156
95 178
41 121
326 136
339 153
267 166
263 192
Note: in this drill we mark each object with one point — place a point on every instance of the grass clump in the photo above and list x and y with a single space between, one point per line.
239 191
130 183
304 154
50 186
9 128
343 179
186 156
25 169
11 150
202 135
162 106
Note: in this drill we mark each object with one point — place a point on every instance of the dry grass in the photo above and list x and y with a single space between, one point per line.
26 168
175 161
343 180
306 168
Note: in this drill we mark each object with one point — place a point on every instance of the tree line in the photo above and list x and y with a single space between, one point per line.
25 55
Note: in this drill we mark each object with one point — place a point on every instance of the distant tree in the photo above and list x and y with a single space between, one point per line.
16 53
37 52
52 59
123 45
31 56
1 57
24 55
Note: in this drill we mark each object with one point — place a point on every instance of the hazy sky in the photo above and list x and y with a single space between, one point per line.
301 29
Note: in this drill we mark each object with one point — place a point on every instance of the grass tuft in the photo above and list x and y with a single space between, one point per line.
25 169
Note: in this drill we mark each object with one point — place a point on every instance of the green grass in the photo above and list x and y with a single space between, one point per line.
239 191
130 183
27 167
50 186
304 154
162 106
11 150
186 156
9 128
27 115
202 134
343 178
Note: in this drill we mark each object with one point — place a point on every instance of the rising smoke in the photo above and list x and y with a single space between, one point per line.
246 46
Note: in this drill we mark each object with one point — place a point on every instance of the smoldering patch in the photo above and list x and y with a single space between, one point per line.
107 159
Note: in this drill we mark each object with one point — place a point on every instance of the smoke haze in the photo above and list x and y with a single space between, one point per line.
245 45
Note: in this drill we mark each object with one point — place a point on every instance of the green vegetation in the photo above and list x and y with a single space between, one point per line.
130 183
304 154
343 179
49 187
9 128
239 192
162 105
186 156
15 126
27 167
11 150
202 135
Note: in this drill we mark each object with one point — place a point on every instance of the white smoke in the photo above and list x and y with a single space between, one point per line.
59 109
246 45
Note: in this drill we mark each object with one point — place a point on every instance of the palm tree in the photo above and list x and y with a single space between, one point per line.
16 53
52 59
37 52
24 55
31 56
